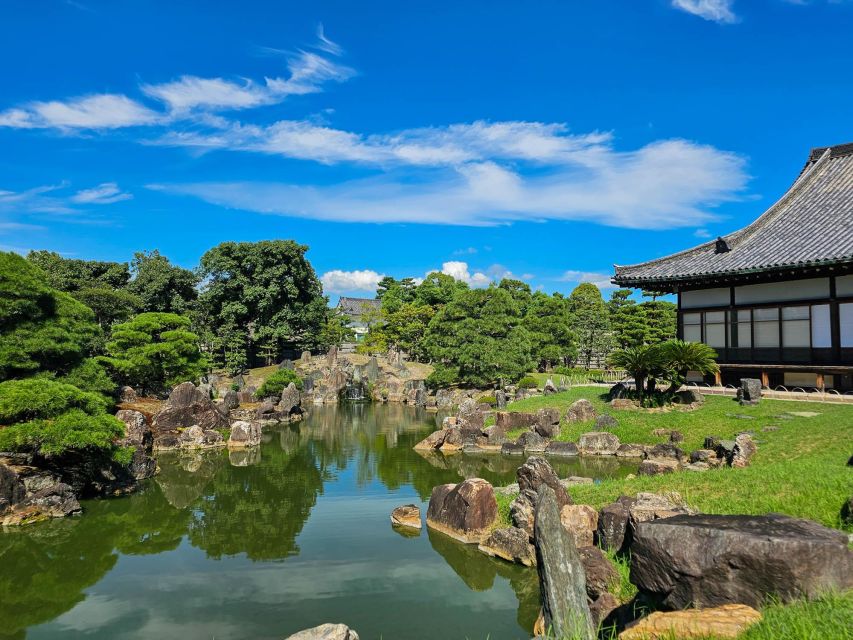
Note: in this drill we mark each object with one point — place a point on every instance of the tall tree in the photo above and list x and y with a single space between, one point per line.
590 323
478 339
548 323
263 292
70 275
160 285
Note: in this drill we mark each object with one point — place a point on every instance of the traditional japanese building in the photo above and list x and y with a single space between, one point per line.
775 299
361 312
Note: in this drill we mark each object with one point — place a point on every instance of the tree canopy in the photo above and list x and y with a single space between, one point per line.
160 285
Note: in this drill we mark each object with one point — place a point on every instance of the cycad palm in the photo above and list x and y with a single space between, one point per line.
681 357
640 362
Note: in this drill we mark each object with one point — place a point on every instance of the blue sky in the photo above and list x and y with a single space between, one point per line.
545 140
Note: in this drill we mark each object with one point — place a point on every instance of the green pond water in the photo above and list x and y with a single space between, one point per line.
263 543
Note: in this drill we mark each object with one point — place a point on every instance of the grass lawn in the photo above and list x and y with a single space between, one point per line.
800 469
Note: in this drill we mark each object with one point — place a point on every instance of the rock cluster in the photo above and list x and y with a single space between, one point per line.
187 407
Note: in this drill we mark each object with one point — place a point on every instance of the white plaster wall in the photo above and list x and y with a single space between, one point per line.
844 285
705 298
811 289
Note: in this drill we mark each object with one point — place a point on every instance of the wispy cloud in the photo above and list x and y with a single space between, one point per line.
600 280
105 193
670 183
714 10
702 233
338 281
102 111
183 97
468 251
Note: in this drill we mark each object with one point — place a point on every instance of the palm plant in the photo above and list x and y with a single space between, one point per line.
680 357
640 362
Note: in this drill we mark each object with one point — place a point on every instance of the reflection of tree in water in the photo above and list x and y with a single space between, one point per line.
46 567
478 571
258 510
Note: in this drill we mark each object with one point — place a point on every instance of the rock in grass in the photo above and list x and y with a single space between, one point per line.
581 411
464 511
326 632
581 521
537 472
562 581
599 571
613 520
727 621
658 466
532 442
408 515
547 423
629 450
511 544
711 560
604 422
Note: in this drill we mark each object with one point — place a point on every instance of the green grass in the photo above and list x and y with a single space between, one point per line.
800 469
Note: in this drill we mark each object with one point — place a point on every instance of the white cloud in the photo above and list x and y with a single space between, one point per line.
670 183
600 280
103 111
702 233
714 10
105 193
461 271
467 251
337 281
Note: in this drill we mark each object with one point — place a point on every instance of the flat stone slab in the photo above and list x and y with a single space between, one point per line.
728 621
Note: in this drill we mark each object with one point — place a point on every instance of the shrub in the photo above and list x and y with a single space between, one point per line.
42 398
442 376
528 382
74 429
488 400
276 383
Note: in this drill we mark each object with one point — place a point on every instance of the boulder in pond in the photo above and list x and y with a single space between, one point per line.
326 631
465 511
244 434
532 442
581 411
187 406
512 449
727 621
561 448
432 441
562 581
291 400
598 443
137 434
711 560
197 438
511 544
408 515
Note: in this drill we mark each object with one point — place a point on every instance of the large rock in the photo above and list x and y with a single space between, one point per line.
408 515
521 512
137 434
665 451
500 400
532 442
326 631
29 494
469 415
561 448
749 392
127 394
230 400
548 423
535 473
562 581
599 571
727 621
12 490
710 560
432 441
290 400
581 521
509 420
465 511
598 443
613 522
630 450
581 411
658 466
511 544
604 422
689 396
197 438
187 406
244 434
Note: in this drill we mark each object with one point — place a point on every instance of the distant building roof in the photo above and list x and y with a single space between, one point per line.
811 225
355 307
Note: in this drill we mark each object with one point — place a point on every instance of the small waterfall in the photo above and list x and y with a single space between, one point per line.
355 392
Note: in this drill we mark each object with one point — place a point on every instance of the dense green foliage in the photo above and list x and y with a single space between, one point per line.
71 275
154 351
479 336
160 285
549 325
590 324
635 324
259 297
276 383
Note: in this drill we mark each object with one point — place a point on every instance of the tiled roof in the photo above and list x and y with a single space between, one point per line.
355 307
811 225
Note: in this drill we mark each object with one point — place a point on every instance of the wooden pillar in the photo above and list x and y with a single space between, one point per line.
765 379
718 379
820 382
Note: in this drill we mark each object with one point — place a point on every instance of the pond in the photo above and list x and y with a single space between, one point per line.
260 544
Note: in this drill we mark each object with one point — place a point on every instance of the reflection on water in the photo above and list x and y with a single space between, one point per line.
261 543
